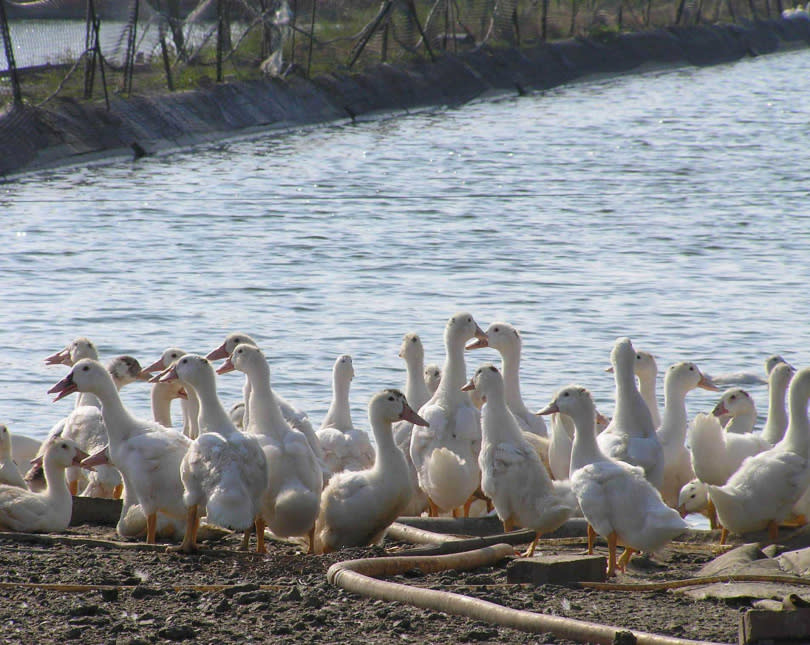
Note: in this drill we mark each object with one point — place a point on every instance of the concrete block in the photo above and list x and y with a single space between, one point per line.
95 510
773 627
557 569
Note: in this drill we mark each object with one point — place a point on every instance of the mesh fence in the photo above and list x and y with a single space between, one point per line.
93 49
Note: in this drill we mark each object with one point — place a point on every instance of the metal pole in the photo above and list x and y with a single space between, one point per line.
12 65
220 34
311 37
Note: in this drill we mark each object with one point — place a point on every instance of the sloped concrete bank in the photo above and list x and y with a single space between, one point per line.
67 131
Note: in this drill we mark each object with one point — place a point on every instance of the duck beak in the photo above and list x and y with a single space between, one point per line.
60 358
64 388
601 419
182 394
218 353
549 409
469 386
720 409
80 456
98 458
408 414
707 384
609 370
143 375
479 342
226 367
169 374
157 366
682 510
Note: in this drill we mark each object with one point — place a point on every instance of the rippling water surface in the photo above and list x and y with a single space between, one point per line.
670 207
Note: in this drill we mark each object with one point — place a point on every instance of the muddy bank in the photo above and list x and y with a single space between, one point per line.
69 131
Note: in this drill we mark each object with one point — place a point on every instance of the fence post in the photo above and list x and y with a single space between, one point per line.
12 65
220 36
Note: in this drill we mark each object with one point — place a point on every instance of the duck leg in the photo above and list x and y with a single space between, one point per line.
625 558
311 536
591 539
73 487
467 505
508 525
260 524
118 491
433 510
189 544
151 528
528 553
723 534
711 513
773 531
612 540
245 544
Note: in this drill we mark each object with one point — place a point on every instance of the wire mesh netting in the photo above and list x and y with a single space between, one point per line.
92 49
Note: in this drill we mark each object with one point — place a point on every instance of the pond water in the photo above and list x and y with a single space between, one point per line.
669 206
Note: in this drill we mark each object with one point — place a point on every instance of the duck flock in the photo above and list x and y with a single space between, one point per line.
449 444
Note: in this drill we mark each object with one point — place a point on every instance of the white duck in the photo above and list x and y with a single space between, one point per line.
504 338
445 452
291 500
9 473
777 421
147 454
223 471
739 407
163 393
616 499
47 511
630 436
417 394
512 475
764 489
357 506
85 426
298 419
694 498
76 350
433 376
680 379
344 446
24 448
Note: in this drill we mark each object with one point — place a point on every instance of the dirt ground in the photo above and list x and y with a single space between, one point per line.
159 597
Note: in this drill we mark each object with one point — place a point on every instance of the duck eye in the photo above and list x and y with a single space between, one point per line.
733 396
497 329
390 398
85 368
493 368
691 368
469 319
566 394
414 339
692 496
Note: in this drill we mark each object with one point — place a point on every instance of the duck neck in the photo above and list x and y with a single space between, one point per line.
673 425
162 404
416 392
87 398
510 367
213 416
339 414
777 420
191 414
454 374
797 436
117 419
646 387
265 413
629 403
584 449
742 422
387 457
56 488
497 422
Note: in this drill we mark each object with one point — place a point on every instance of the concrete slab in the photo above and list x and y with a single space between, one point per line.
557 569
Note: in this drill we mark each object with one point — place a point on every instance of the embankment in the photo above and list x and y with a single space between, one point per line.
68 131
